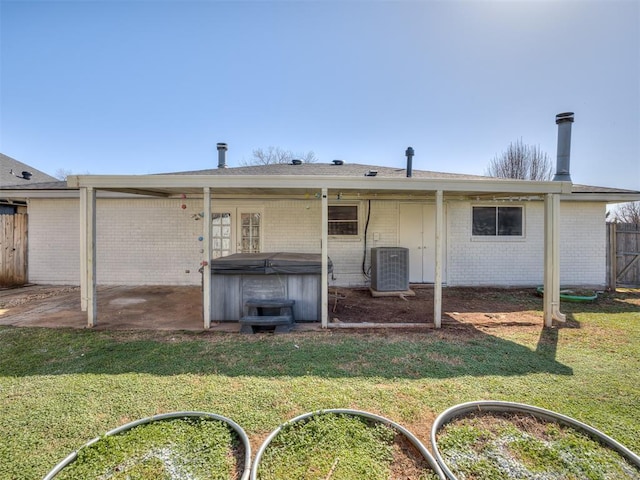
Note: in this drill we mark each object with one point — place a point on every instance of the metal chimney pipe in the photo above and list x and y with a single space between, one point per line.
222 155
564 121
409 153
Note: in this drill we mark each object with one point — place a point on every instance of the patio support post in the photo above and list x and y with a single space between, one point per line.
83 249
91 257
324 254
551 293
206 258
437 285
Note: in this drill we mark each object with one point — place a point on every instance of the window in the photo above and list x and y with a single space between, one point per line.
343 220
220 235
497 221
250 235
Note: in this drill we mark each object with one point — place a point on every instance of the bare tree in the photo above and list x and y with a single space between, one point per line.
272 155
627 213
63 173
526 162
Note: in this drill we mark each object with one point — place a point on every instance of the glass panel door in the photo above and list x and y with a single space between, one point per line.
236 231
221 240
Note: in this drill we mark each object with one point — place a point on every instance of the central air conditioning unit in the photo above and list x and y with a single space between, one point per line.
390 269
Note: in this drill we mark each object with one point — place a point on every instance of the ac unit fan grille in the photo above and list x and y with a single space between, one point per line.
389 269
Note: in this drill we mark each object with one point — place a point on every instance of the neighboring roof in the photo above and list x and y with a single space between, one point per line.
57 185
591 189
12 172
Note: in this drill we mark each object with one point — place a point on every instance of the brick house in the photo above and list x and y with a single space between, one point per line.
493 231
459 230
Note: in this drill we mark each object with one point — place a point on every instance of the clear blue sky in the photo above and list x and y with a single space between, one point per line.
148 86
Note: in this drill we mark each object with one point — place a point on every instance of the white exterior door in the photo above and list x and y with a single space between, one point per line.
417 231
236 230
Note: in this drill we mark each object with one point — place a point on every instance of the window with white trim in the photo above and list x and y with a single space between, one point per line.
343 220
490 221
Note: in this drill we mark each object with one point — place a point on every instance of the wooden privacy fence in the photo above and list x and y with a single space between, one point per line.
13 249
623 261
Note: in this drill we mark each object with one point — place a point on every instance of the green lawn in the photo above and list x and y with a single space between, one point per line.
60 388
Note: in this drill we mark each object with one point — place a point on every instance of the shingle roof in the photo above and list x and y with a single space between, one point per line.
57 185
326 169
359 170
591 189
9 165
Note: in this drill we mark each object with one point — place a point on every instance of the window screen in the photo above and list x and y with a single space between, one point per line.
497 221
343 220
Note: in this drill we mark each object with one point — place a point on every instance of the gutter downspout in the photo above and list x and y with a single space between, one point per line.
555 292
551 293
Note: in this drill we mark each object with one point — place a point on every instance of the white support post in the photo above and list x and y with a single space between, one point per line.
92 311
437 286
206 258
325 267
83 249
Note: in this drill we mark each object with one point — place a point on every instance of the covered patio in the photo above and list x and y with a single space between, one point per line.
210 188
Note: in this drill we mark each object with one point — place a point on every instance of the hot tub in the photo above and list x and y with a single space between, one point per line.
238 278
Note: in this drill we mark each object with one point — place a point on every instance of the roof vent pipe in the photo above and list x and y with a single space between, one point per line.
409 153
564 121
222 155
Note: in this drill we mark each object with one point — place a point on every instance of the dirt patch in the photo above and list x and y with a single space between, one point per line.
12 298
482 307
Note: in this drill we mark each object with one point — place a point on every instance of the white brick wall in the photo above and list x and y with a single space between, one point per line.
583 244
139 242
155 241
148 242
498 261
347 254
54 241
292 225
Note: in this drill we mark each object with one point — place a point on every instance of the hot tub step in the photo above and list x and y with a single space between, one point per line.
251 323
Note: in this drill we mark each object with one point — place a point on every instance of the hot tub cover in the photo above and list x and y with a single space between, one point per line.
269 263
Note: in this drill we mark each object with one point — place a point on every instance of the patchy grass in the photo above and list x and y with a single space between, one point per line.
193 448
343 446
496 447
60 388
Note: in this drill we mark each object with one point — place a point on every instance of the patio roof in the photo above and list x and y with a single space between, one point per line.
420 187
304 185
